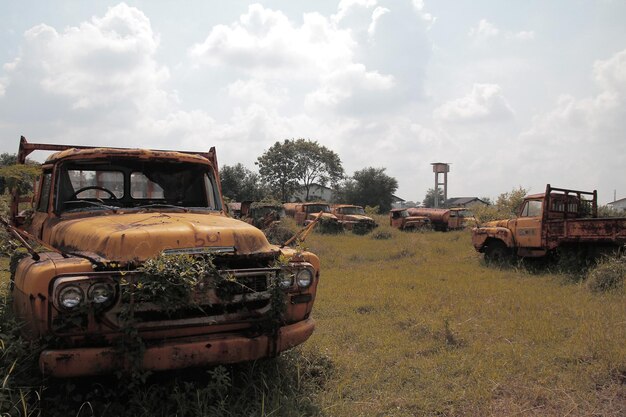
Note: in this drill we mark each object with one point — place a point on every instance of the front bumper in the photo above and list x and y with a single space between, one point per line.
195 352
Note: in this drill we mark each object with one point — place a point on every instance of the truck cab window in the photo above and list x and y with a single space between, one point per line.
532 208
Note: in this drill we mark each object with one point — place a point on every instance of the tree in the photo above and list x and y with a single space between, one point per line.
14 175
240 184
509 203
301 162
369 187
429 200
506 206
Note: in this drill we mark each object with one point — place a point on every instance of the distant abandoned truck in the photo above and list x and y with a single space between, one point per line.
559 219
401 219
305 213
353 217
441 219
113 221
262 214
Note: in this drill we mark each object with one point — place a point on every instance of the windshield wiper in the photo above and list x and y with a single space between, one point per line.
93 203
161 205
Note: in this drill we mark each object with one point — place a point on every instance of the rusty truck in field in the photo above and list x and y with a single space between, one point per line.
101 215
305 213
262 214
353 217
441 219
401 219
557 220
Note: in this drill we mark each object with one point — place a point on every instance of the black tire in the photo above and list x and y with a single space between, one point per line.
497 253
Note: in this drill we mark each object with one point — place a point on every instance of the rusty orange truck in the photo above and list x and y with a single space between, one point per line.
104 215
353 217
401 219
441 219
305 213
557 220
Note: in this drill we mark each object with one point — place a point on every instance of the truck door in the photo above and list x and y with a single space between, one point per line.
528 225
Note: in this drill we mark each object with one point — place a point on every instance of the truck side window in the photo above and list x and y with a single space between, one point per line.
44 194
532 208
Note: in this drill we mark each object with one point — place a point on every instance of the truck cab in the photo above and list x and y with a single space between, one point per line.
351 216
103 215
401 219
305 213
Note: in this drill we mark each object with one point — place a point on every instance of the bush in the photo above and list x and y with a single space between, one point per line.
328 226
278 233
607 275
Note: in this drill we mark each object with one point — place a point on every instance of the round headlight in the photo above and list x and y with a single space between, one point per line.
101 293
285 281
71 296
304 277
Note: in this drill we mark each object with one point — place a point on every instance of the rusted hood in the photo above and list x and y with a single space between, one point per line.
139 236
496 223
357 218
324 216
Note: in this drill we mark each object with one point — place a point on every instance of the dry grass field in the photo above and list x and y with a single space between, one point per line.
412 325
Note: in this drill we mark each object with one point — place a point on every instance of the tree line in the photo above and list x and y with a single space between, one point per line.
295 165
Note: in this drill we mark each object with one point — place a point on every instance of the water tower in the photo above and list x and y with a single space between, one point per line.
441 168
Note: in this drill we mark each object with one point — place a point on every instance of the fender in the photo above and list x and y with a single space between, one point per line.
480 235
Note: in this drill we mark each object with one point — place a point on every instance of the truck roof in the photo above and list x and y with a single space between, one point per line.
104 153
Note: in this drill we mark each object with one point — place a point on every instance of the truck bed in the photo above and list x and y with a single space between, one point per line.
600 230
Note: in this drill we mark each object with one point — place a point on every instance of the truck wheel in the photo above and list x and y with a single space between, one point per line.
497 252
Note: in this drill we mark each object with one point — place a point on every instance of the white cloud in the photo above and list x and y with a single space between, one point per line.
418 5
525 35
333 58
266 43
258 92
376 14
611 74
104 63
485 103
353 83
584 134
484 30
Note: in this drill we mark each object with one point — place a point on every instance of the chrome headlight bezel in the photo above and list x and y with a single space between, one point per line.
86 289
97 291
304 277
71 297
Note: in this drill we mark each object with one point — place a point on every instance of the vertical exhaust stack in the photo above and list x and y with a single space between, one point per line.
441 168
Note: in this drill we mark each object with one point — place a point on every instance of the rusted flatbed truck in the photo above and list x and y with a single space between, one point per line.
401 219
104 213
353 217
440 219
559 219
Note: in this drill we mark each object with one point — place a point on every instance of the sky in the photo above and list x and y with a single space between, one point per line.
511 94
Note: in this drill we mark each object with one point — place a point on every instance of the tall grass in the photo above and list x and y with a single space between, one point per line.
415 324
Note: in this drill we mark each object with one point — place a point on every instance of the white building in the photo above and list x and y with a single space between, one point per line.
317 192
618 205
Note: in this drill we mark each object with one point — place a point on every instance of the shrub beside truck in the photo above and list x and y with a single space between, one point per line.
559 220
103 215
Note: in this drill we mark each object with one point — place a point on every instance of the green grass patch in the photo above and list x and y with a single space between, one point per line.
416 324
